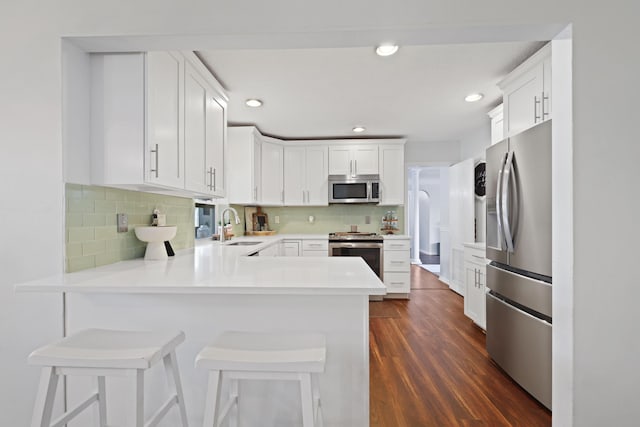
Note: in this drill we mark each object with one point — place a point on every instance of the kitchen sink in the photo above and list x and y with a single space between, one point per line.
243 243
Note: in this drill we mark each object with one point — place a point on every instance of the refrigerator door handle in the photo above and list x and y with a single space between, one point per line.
505 199
499 203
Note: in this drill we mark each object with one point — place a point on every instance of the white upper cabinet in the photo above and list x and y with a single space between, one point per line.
353 160
527 93
272 174
244 161
305 176
391 160
216 143
151 129
497 124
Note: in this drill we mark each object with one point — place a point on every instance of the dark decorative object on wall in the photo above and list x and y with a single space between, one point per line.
479 176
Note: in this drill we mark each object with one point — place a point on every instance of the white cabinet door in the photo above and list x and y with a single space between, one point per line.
305 176
391 174
365 159
522 102
470 297
352 160
497 124
316 172
243 165
216 145
527 93
195 131
340 162
272 179
294 176
290 248
165 103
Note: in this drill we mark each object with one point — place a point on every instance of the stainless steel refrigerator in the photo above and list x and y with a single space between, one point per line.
518 190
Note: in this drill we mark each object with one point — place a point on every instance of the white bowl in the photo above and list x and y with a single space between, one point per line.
155 238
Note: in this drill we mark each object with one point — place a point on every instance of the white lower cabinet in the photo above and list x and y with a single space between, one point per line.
475 283
316 247
397 267
290 248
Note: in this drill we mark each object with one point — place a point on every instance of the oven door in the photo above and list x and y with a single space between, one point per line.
371 252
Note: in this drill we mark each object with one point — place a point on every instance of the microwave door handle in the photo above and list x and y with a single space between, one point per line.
506 181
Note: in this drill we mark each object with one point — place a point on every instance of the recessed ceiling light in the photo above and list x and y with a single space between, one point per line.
473 97
253 103
358 129
386 49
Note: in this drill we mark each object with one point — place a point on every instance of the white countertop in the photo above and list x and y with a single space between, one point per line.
475 245
215 268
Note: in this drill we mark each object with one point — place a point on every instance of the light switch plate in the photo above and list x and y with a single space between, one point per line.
123 223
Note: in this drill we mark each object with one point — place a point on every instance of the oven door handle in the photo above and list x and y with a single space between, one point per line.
355 245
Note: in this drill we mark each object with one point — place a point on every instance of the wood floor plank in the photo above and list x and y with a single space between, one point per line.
429 366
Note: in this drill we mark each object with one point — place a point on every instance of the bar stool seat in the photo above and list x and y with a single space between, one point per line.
263 356
101 353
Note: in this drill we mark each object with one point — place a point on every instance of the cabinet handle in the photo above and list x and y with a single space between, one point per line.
475 277
396 262
282 196
396 283
476 256
396 246
544 112
255 194
355 168
156 169
536 102
351 168
308 198
210 178
214 179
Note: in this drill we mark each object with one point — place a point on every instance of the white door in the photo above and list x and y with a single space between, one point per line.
272 180
340 160
216 144
294 176
522 101
365 159
165 104
317 171
392 175
195 141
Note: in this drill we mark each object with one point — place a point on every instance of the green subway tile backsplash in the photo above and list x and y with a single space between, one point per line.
92 239
327 219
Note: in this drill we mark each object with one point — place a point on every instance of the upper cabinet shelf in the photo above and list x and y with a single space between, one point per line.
158 123
527 93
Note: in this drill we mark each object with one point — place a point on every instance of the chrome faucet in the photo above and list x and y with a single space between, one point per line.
236 219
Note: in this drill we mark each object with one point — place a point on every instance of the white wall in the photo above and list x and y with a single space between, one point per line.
604 176
474 144
447 152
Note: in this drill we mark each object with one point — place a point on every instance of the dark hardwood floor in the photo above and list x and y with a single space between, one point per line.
429 366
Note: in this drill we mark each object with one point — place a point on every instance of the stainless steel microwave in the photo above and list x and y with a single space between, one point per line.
361 189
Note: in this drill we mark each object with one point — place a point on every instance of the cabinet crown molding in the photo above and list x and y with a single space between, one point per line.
529 63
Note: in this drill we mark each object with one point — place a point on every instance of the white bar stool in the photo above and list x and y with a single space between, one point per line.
256 356
101 353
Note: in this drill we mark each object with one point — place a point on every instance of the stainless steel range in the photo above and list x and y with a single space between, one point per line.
368 246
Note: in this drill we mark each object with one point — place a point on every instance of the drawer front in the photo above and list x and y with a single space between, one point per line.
315 245
315 253
475 255
397 245
397 282
396 261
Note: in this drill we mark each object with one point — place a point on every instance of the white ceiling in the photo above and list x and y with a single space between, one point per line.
418 93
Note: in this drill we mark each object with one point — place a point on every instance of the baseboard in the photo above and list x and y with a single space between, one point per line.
396 296
445 280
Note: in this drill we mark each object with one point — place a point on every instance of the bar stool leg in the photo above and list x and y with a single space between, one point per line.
139 398
212 401
306 399
100 411
175 385
44 400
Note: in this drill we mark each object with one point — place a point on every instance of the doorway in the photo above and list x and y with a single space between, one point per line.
428 213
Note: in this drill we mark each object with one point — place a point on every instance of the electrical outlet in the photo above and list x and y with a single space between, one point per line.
123 223
276 219
367 219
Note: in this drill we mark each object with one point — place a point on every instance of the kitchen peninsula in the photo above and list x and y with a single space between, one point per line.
216 287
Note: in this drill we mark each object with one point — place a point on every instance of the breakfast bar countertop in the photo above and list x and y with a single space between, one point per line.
222 268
